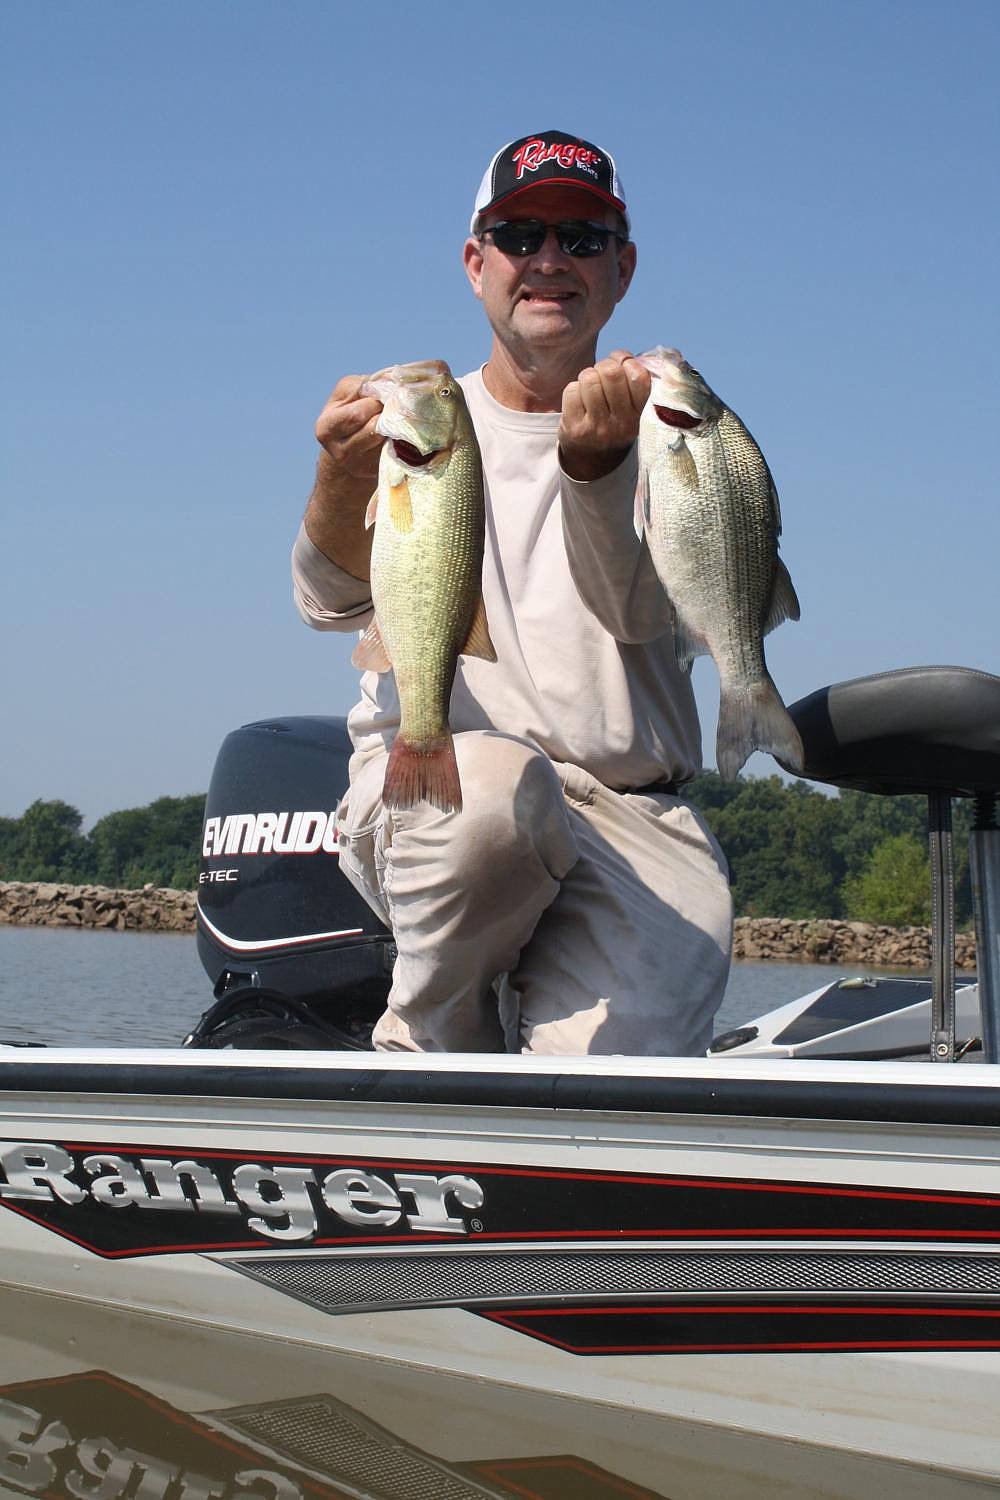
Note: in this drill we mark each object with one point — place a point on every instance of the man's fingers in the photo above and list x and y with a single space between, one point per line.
346 425
340 420
600 414
640 382
347 387
620 363
596 386
572 404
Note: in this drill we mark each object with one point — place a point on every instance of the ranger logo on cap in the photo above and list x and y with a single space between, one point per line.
549 156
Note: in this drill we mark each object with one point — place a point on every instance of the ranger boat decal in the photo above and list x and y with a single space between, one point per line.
126 1200
144 1201
769 1326
670 1299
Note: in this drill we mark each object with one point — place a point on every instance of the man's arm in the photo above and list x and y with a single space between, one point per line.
610 562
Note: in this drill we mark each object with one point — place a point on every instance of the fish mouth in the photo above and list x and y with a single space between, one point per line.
411 456
674 418
679 396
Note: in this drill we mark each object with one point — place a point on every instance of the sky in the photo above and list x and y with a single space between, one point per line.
213 210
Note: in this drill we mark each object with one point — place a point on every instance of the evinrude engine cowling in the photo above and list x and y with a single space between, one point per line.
297 958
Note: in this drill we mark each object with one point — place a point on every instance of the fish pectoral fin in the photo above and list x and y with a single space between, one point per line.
685 470
642 501
400 507
478 642
784 603
370 655
372 511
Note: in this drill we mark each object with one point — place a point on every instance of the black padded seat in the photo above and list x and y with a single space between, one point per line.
919 729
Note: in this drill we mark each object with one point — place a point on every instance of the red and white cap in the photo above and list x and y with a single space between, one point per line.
551 156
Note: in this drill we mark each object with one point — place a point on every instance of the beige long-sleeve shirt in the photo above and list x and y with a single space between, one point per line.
585 663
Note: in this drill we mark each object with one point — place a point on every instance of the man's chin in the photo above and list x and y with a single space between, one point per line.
548 315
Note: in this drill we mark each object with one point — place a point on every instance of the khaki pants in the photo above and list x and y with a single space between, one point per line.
550 916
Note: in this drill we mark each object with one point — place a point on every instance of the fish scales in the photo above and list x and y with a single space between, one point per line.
435 564
711 516
426 571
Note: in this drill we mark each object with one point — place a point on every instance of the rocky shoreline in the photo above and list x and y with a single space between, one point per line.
766 939
45 904
833 942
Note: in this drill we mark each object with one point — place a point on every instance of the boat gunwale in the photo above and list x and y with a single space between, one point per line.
900 1093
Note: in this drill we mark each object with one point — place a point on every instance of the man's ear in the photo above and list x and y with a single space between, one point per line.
472 259
626 268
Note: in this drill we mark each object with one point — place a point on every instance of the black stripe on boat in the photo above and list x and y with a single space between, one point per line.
785 1098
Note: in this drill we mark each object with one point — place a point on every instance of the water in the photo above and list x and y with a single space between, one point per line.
74 987
80 988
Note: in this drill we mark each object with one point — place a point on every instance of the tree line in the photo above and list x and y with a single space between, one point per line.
793 851
159 845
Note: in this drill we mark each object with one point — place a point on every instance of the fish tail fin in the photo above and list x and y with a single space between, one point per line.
755 718
424 773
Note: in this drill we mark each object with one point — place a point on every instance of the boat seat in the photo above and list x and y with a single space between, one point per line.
918 729
934 730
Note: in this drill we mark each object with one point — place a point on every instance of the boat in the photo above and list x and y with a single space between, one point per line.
269 1263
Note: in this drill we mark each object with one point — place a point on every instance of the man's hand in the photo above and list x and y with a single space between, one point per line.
346 475
600 415
345 429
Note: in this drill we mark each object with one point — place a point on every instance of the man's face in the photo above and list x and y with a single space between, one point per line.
550 300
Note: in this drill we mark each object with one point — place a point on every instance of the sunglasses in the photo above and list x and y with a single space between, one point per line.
575 237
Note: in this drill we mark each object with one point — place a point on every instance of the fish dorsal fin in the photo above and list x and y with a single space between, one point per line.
784 603
776 514
478 642
370 655
372 511
400 508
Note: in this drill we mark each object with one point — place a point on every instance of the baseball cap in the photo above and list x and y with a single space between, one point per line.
552 156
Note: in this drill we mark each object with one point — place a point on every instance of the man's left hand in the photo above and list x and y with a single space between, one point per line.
600 415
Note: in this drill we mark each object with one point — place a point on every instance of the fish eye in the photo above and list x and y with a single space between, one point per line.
445 390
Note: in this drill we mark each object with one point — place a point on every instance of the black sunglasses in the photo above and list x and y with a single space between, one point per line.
576 237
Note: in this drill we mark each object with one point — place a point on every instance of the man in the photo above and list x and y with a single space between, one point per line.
576 904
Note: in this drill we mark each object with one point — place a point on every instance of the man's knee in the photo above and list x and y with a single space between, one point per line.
513 806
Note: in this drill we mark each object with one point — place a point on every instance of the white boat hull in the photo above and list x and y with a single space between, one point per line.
607 1278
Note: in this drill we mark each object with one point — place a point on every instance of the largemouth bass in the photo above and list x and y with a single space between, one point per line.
710 512
429 516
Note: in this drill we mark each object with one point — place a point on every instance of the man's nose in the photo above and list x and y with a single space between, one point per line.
550 248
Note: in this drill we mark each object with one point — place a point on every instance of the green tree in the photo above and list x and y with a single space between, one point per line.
894 885
157 845
50 845
779 841
10 847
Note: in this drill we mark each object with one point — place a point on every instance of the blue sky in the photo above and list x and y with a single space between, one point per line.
212 210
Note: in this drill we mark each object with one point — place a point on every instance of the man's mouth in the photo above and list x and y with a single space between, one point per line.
539 294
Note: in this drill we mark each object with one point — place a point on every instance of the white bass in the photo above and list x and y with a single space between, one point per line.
710 513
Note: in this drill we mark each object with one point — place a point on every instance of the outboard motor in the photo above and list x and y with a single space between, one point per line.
297 958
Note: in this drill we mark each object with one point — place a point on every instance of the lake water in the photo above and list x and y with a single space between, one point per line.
80 988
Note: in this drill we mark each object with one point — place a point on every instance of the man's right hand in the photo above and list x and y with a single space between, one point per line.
346 475
345 429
